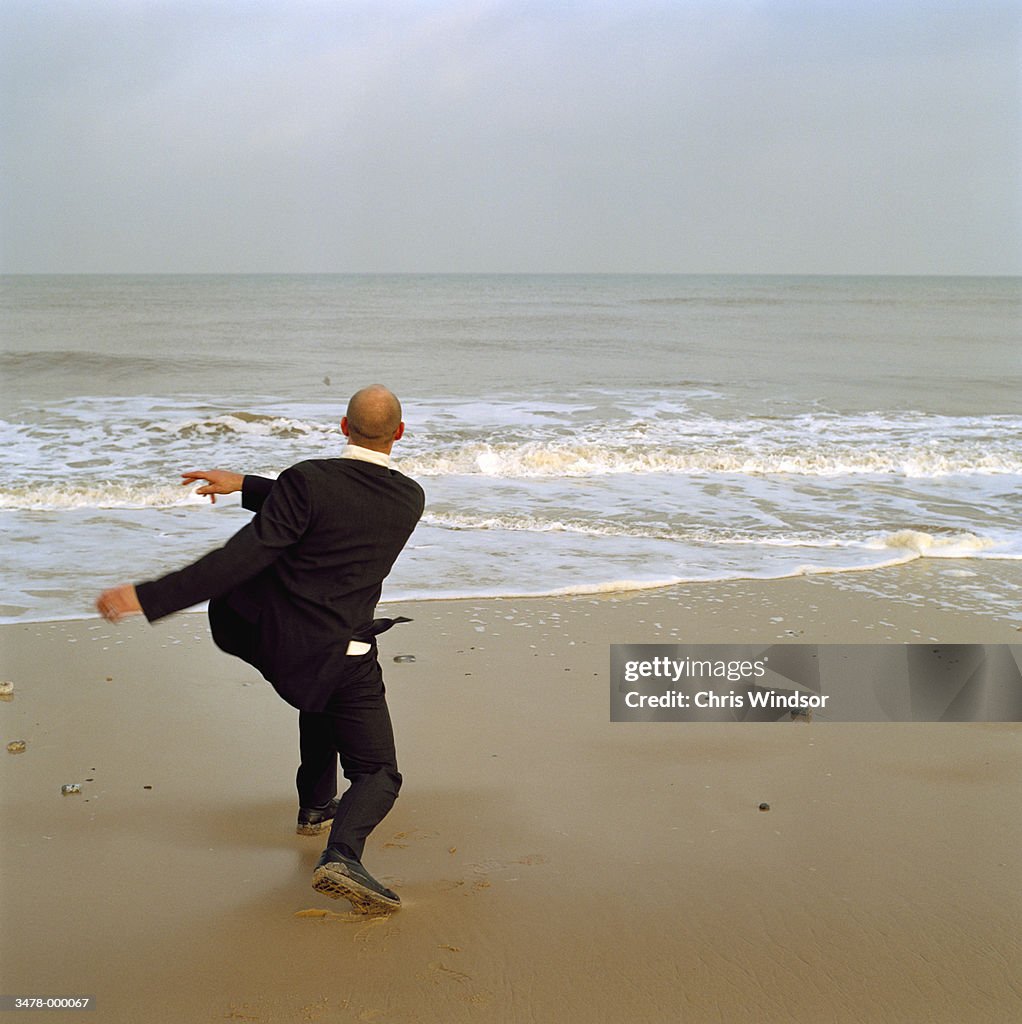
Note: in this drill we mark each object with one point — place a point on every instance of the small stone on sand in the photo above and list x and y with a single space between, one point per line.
16 747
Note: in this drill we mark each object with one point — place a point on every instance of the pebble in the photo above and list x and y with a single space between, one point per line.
6 691
16 747
69 788
400 658
764 807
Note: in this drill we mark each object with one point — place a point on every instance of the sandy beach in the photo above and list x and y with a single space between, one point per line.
554 867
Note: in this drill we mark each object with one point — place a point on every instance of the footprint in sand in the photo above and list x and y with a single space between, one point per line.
486 868
447 886
331 915
533 858
438 973
401 840
369 922
443 972
450 884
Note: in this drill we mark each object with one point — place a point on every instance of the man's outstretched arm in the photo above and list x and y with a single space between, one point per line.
254 489
218 481
119 602
281 523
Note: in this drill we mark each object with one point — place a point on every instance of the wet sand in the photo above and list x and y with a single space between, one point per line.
554 867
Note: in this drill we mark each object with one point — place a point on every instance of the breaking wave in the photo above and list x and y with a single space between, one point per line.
542 460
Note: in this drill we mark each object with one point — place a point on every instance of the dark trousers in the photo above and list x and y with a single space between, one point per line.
354 727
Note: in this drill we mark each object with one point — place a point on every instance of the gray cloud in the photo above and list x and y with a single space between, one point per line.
842 137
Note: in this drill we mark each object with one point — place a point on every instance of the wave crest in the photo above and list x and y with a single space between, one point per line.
246 423
60 498
533 460
928 545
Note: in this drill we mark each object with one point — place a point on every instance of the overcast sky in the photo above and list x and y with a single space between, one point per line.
835 136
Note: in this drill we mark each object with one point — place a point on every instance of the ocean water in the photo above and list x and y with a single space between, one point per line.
574 434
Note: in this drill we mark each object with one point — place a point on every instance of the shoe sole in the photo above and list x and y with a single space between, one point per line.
314 830
332 880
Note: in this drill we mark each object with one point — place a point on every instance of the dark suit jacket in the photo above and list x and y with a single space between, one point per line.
292 587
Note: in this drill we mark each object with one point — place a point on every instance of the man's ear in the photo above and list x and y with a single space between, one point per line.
344 426
397 433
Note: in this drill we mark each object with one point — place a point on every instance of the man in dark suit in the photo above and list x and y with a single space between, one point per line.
293 593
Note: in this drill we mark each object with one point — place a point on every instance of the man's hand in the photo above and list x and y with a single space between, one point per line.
118 602
218 481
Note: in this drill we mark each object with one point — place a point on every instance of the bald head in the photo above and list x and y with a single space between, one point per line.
373 419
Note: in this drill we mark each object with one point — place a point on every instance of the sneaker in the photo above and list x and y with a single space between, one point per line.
313 820
341 877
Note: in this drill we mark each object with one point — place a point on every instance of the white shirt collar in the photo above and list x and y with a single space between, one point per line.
354 451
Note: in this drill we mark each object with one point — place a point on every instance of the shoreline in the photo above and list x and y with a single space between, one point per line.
533 839
916 586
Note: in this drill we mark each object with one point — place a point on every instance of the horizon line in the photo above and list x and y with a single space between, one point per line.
492 273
